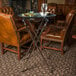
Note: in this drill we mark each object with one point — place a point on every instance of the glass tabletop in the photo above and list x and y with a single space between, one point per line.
35 15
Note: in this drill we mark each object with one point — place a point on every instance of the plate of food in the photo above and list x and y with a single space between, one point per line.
28 14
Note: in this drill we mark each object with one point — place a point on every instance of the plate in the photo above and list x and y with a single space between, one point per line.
28 14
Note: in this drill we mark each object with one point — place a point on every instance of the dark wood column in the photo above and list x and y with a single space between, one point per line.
0 3
39 4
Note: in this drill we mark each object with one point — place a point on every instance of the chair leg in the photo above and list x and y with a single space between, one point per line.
41 44
19 54
2 50
33 44
62 48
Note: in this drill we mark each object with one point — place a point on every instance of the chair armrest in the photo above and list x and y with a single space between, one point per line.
58 27
46 31
61 21
20 29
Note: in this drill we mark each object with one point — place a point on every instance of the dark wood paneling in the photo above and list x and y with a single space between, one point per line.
64 8
70 2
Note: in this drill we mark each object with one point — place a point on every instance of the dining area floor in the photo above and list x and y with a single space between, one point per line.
35 65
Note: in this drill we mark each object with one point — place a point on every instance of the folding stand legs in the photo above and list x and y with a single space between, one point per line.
36 37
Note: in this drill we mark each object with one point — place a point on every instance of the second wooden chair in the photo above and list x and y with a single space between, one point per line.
58 34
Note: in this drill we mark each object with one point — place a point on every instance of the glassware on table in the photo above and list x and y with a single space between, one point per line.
44 8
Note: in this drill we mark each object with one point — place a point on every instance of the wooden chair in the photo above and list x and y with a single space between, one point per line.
58 34
11 35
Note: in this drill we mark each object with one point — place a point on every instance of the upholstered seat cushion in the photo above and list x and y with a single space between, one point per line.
54 34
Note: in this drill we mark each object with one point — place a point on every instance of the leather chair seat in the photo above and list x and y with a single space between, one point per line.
54 34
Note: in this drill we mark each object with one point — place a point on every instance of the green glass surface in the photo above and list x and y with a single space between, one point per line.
35 15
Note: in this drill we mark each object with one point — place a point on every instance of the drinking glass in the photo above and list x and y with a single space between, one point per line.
44 7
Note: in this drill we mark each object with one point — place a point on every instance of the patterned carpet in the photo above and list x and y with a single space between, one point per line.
58 65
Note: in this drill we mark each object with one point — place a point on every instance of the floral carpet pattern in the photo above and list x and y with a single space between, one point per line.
52 63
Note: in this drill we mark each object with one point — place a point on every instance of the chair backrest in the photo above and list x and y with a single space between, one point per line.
8 33
69 25
7 10
69 16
